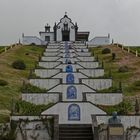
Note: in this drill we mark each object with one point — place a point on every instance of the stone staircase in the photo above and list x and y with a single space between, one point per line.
75 132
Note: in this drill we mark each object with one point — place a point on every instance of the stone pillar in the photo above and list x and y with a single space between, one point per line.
136 53
115 130
128 50
56 128
95 128
5 49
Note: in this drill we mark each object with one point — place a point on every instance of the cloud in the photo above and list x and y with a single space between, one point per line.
100 17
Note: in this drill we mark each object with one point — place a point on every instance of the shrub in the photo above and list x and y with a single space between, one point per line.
106 51
26 108
113 56
3 82
122 108
137 83
123 69
32 44
19 64
32 89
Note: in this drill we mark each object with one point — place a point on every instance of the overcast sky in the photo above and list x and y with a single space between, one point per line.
120 18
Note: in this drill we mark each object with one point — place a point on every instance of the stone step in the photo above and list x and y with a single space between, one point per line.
75 132
76 138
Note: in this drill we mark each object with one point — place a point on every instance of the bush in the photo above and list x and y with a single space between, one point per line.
26 108
3 82
123 69
113 56
19 64
137 83
106 51
28 88
122 108
32 44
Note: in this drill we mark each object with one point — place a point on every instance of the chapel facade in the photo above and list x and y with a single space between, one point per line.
64 30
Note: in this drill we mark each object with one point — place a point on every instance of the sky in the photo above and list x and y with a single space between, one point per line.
120 18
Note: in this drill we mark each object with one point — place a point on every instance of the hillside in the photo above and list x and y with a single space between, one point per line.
29 54
130 80
14 77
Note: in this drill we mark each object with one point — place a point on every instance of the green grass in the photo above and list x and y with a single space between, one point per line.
2 49
14 77
133 49
111 66
26 108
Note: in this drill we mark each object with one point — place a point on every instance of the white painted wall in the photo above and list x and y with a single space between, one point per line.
50 34
27 40
61 25
100 41
62 110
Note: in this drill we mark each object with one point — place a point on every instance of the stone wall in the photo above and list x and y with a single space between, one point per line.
86 109
80 89
127 121
104 98
98 84
88 58
50 53
63 76
53 45
53 58
46 73
49 64
51 49
83 53
31 127
45 83
89 64
92 72
63 67
40 98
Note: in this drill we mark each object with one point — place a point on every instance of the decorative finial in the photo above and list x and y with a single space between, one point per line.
65 13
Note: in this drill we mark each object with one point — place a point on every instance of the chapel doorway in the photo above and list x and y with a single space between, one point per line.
65 36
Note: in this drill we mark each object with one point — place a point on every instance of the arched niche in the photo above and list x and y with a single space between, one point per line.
74 112
69 68
70 78
71 92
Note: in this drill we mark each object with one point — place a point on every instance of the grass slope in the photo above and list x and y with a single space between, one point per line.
29 54
131 79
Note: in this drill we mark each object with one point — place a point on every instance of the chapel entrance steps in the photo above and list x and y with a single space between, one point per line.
75 132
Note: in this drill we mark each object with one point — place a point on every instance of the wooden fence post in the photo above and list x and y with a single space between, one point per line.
5 49
128 50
